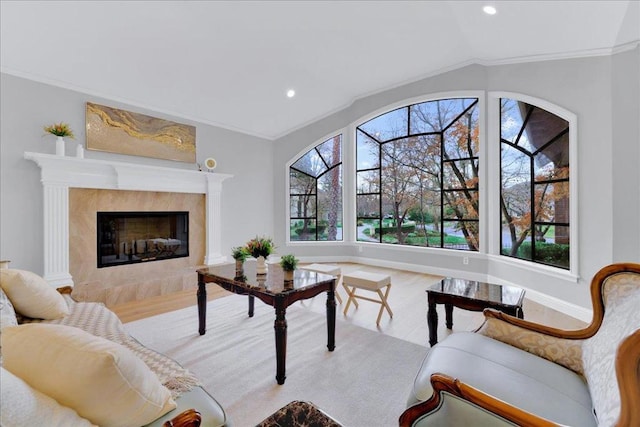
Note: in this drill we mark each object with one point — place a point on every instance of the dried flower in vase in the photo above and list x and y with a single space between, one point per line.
60 129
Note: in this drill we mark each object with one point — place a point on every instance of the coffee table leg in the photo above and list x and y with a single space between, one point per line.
280 327
331 320
448 311
202 306
432 321
251 305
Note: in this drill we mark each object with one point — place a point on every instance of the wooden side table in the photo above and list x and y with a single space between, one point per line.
470 295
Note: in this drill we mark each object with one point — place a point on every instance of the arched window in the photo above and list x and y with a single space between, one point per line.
417 175
315 193
534 193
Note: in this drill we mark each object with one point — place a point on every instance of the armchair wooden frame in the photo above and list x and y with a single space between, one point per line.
627 366
188 418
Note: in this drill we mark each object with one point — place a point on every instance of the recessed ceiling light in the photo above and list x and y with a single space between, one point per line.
291 93
489 10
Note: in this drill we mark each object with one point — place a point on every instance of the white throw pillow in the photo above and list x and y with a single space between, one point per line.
101 380
31 295
22 405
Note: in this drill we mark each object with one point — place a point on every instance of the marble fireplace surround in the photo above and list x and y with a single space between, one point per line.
60 173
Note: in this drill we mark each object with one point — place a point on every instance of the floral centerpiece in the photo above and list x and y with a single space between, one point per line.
260 248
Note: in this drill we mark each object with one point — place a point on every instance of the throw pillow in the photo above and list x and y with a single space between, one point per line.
31 295
22 405
7 312
7 315
101 380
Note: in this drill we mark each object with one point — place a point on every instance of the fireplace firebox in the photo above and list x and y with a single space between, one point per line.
134 237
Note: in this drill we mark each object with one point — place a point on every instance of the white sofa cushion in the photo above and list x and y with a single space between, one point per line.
22 405
31 295
101 380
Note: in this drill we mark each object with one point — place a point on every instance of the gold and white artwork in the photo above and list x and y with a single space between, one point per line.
124 132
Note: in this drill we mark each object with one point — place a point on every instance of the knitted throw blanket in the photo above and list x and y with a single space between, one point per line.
98 320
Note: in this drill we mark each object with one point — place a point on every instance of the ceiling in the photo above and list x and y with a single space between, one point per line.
230 64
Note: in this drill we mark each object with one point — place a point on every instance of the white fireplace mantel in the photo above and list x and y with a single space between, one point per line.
59 173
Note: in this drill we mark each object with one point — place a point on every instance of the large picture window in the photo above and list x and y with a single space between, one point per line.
315 193
534 194
417 175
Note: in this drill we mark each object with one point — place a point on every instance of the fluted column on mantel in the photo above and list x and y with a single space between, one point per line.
213 250
56 235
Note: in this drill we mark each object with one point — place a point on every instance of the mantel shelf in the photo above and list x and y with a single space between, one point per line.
103 174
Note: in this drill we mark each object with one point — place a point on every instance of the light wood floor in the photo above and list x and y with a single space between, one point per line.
407 299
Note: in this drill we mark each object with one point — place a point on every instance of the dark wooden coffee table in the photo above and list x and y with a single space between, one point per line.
470 295
271 289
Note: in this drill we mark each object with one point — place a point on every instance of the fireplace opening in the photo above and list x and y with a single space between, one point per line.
134 237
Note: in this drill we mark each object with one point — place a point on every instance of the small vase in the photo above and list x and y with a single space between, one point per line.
239 267
80 151
288 277
60 146
261 268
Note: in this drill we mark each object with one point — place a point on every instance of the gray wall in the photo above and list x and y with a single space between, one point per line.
626 156
27 106
601 91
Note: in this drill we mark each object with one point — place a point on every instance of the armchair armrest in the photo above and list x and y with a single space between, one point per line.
188 418
577 334
445 384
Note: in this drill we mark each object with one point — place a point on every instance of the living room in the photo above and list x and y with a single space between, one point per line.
596 83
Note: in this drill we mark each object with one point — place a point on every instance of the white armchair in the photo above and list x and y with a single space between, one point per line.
513 371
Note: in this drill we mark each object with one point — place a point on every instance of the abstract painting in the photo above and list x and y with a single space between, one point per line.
123 132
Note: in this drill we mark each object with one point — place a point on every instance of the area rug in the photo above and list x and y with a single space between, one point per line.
363 383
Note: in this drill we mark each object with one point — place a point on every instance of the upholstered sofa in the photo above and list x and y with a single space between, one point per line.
73 363
513 371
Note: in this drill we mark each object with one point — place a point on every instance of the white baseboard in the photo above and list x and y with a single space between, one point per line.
567 308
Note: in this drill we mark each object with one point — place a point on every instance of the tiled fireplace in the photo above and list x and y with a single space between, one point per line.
76 189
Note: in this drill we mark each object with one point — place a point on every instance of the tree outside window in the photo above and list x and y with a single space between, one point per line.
534 200
315 193
417 175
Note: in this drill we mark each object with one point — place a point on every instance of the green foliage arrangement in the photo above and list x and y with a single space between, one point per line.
60 129
288 262
239 253
260 246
